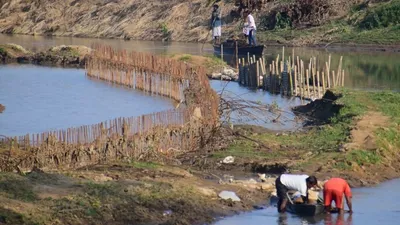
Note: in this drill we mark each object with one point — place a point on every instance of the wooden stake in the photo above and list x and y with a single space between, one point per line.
295 80
342 78
323 82
334 78
222 52
318 87
328 77
308 84
313 83
258 73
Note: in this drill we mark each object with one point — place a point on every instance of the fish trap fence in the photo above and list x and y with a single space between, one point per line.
291 76
180 129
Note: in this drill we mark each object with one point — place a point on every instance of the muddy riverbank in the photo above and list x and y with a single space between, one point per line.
353 135
123 193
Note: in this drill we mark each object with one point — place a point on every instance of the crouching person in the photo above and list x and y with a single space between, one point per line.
292 182
334 190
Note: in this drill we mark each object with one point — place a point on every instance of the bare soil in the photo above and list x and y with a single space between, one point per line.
135 193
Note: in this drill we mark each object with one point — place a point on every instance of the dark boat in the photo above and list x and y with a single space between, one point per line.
232 48
304 209
229 48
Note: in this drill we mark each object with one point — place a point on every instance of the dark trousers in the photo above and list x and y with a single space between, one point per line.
281 191
252 37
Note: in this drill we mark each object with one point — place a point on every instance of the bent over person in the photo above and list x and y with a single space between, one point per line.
334 189
287 182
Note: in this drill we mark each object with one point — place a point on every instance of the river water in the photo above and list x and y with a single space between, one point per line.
39 99
366 70
371 206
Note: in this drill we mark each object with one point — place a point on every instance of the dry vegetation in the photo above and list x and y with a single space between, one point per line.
298 22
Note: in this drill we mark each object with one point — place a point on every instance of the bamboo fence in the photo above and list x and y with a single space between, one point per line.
181 129
291 76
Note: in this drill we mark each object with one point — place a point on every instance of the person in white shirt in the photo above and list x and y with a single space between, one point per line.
216 24
300 183
251 27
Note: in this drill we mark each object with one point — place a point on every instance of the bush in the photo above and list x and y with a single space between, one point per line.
382 16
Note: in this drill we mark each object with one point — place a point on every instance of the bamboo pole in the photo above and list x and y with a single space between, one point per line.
327 74
301 80
318 87
334 78
342 78
236 55
222 52
290 78
295 79
258 73
313 82
323 82
308 84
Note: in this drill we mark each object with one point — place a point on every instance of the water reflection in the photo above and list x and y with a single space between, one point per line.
367 70
329 219
39 99
374 205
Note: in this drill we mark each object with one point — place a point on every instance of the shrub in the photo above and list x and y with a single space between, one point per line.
382 16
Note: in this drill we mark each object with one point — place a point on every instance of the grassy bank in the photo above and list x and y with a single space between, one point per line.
363 24
360 141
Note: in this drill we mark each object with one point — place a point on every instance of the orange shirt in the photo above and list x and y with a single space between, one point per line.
339 185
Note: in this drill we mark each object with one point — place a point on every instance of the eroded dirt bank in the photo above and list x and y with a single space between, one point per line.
123 193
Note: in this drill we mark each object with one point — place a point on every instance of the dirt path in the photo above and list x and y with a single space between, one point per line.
363 134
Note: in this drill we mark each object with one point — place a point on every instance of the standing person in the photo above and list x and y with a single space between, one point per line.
300 183
216 24
334 189
251 27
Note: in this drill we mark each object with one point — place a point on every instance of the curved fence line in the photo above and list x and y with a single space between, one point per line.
184 128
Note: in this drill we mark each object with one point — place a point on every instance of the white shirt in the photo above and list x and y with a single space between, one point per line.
295 182
251 23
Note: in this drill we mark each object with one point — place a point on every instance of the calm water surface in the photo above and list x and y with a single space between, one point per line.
39 99
366 70
286 119
372 206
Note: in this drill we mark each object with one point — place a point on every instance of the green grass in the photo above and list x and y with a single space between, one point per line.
379 24
214 61
185 58
325 141
145 165
3 51
16 187
363 157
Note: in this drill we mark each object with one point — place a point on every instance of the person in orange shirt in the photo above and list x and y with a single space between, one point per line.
334 189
